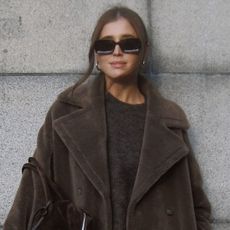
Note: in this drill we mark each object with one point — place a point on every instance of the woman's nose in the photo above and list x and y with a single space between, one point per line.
117 50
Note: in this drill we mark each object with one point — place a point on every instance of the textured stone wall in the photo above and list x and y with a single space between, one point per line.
43 50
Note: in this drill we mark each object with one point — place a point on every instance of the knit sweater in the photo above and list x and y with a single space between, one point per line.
125 127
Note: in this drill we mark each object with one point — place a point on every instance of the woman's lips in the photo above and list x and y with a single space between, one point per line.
118 64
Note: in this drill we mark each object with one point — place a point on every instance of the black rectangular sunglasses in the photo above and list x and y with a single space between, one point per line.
129 45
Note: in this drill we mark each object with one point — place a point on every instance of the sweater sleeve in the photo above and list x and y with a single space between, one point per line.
30 196
201 203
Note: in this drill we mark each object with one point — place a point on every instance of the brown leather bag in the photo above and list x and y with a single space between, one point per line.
58 213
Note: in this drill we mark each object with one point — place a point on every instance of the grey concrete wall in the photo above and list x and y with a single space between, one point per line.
48 35
191 36
43 49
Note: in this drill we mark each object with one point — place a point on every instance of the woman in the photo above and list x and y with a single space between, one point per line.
115 146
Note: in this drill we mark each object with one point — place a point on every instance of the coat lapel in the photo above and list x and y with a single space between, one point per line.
84 133
161 147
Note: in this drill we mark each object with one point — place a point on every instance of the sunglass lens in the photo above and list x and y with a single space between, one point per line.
104 46
130 45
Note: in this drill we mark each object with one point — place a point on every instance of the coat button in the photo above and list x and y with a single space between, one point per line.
79 190
169 212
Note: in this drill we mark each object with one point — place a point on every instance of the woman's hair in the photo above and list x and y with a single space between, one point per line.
111 15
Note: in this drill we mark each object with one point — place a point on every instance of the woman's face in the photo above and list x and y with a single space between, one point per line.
118 65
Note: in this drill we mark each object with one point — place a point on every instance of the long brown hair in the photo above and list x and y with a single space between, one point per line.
111 15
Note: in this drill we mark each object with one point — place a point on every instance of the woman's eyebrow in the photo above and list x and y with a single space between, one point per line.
109 37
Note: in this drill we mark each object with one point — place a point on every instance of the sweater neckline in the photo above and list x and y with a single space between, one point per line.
110 97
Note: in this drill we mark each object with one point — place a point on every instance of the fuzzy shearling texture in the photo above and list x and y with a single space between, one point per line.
72 149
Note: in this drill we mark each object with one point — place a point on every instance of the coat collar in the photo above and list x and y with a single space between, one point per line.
85 135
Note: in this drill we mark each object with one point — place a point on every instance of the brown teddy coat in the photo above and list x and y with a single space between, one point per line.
71 148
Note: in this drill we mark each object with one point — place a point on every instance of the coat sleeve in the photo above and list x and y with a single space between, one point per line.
30 196
201 203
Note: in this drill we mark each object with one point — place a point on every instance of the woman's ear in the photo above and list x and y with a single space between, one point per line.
145 53
95 57
96 62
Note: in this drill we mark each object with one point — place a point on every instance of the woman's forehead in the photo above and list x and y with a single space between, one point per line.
117 29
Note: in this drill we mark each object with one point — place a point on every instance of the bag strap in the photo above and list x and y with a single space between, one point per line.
48 185
49 188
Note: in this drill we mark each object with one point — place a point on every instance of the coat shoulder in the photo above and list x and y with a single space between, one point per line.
168 111
173 114
69 99
62 105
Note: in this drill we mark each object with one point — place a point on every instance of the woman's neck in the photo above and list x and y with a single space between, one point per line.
125 91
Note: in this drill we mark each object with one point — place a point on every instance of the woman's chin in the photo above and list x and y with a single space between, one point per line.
119 77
